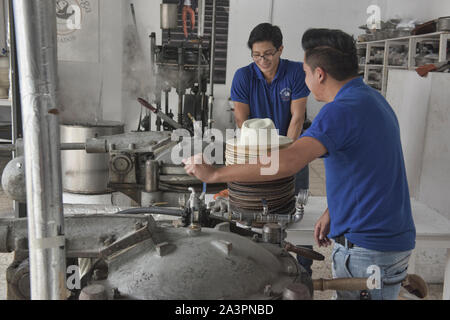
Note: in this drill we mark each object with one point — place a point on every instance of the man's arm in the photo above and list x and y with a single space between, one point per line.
298 111
322 229
241 113
289 161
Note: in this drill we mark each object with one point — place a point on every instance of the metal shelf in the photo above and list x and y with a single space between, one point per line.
397 67
5 103
411 41
432 36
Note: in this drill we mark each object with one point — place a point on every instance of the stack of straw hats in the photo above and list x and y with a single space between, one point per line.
259 138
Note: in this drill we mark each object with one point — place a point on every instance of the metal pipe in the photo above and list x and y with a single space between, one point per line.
75 209
156 84
180 89
212 67
155 210
20 209
199 75
272 3
343 284
152 58
7 147
35 27
73 146
64 147
167 101
201 18
151 175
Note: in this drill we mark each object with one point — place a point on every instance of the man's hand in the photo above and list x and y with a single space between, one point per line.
196 167
321 229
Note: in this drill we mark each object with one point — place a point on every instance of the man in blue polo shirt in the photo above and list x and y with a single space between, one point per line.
369 211
273 88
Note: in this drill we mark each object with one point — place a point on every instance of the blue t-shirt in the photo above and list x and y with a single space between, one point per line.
270 101
367 189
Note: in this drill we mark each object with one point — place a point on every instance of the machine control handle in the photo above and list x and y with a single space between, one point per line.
342 284
147 105
304 252
160 114
140 235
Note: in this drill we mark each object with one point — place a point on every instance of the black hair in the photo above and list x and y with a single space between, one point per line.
266 32
332 50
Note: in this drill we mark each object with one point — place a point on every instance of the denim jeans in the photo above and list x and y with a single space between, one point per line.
302 180
305 262
354 263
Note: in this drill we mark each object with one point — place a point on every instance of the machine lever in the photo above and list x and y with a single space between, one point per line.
160 114
304 252
351 284
136 237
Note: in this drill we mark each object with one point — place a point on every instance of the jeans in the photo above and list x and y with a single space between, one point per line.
354 263
302 180
305 262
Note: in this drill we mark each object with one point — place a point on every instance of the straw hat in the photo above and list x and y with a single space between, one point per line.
258 137
259 133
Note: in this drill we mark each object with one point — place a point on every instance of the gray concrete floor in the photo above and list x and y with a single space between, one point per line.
320 269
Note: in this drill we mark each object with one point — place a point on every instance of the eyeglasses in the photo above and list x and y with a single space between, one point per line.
266 56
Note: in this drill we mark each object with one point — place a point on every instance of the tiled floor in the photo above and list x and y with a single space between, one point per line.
317 178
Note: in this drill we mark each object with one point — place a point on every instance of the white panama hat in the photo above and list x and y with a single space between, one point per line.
259 133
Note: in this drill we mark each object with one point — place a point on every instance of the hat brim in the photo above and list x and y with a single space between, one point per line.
283 141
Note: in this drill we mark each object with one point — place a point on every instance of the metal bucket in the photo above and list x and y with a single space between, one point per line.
86 173
169 16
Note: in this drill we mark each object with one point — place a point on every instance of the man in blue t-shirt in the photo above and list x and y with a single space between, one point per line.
357 133
273 88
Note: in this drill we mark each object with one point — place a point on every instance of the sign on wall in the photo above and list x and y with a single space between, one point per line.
78 30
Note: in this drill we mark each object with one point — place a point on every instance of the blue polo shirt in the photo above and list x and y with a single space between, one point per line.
367 190
270 101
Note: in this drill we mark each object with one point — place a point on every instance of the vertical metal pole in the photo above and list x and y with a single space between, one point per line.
199 76
152 57
181 89
201 18
212 67
35 26
20 209
153 69
272 2
166 92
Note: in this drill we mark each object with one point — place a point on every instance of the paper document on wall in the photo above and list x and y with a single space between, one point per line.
78 30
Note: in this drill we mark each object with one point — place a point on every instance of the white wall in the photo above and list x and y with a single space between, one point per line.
296 16
422 108
92 91
81 83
